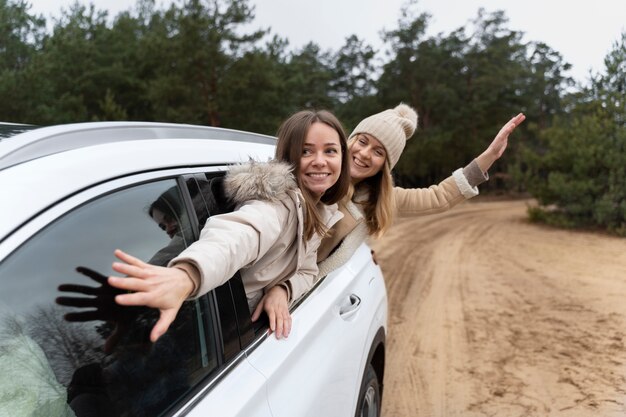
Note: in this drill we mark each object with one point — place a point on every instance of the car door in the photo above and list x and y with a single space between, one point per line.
67 349
317 370
237 390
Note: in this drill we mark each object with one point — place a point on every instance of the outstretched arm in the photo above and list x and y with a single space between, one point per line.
154 286
497 147
458 187
227 243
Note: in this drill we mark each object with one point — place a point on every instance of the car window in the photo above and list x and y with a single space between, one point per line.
65 347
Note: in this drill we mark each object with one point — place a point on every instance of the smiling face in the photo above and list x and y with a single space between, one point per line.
367 157
320 163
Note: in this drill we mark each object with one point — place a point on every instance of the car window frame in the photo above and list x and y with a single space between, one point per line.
208 303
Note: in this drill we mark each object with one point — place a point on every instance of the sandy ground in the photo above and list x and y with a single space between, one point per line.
490 315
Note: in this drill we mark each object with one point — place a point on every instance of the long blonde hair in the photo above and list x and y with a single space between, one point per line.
291 137
375 196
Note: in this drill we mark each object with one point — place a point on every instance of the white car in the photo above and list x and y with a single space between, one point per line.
74 193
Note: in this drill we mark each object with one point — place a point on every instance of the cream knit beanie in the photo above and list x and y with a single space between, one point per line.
392 128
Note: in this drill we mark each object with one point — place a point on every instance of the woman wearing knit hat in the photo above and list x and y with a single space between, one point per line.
375 146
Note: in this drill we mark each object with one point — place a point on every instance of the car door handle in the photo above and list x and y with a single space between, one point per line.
350 306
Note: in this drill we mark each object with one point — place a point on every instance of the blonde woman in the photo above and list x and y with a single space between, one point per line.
375 146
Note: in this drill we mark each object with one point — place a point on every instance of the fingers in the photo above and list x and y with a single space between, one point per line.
279 318
161 326
76 301
130 270
96 276
279 327
130 265
509 127
516 121
84 316
257 311
275 304
81 289
287 325
128 284
271 315
282 323
140 298
129 259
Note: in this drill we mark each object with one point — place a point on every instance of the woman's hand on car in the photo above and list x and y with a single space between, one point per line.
276 305
154 286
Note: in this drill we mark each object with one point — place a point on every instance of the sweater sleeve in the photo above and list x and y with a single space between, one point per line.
461 185
231 241
475 176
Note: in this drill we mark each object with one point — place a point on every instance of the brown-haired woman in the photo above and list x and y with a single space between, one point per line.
283 209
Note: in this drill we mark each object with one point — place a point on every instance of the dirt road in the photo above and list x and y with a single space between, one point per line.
490 315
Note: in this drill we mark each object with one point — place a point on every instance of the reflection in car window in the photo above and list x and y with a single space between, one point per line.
66 348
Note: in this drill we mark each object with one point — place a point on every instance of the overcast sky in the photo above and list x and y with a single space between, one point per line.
582 31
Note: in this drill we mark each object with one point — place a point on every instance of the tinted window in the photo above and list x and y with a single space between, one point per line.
83 354
8 129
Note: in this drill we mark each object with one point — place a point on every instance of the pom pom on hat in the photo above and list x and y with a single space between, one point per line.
392 128
410 118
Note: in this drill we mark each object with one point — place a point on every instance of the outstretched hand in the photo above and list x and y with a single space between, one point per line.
154 286
275 304
497 147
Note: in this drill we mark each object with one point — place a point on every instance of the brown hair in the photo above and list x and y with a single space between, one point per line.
291 137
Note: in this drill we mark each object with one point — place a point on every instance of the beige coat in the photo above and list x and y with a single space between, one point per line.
351 231
262 238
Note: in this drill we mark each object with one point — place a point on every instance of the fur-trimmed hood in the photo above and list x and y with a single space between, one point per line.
267 181
263 238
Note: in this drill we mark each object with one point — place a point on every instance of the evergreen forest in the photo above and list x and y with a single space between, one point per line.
205 62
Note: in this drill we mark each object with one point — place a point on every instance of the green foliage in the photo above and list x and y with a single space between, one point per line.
308 78
257 93
21 34
353 70
110 109
202 62
464 86
21 39
551 217
581 172
199 43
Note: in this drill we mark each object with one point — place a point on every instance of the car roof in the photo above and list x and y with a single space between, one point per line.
41 173
45 141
